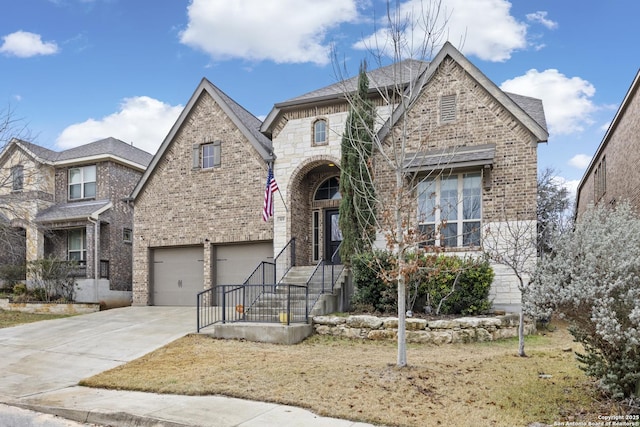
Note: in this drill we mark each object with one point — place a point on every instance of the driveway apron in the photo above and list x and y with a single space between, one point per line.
50 355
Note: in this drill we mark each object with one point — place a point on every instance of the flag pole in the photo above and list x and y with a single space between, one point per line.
283 202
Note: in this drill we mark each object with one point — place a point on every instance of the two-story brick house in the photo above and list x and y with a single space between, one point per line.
608 180
480 139
74 205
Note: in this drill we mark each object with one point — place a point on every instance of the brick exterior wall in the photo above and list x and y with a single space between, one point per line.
182 206
622 152
480 119
114 182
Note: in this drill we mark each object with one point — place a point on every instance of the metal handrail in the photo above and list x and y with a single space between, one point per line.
261 281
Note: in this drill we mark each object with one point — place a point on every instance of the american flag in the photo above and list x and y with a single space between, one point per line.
272 187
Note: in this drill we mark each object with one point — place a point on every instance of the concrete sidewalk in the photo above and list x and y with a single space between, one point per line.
41 364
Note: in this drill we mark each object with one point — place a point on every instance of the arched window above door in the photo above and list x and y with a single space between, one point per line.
329 190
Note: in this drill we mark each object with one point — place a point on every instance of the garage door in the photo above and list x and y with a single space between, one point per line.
178 275
234 263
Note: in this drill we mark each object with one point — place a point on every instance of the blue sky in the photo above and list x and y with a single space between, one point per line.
80 70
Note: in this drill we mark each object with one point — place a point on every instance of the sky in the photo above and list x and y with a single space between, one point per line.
75 71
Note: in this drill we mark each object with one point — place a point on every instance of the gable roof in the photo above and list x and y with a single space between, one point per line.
397 74
515 104
246 122
633 89
527 110
108 148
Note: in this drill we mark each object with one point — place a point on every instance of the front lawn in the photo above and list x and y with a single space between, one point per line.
10 318
482 384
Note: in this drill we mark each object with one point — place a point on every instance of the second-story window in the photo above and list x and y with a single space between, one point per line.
207 155
82 183
320 132
17 178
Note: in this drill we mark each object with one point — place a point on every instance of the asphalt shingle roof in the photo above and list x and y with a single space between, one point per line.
70 211
107 146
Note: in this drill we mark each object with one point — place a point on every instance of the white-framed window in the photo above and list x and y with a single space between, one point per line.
82 183
76 245
450 209
127 235
17 178
320 132
208 155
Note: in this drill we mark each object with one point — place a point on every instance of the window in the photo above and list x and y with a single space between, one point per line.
127 235
329 190
82 183
600 179
17 178
207 156
449 209
77 249
320 132
447 109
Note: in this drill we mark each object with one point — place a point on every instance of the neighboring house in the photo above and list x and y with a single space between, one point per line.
74 205
482 139
609 178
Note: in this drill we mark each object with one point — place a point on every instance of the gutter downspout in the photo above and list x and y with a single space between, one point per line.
96 261
94 219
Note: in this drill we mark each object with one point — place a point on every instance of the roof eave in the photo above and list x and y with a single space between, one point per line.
614 124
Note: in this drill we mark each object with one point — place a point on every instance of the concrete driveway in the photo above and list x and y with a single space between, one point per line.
41 364
50 355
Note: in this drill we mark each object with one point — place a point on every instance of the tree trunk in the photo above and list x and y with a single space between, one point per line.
521 352
402 299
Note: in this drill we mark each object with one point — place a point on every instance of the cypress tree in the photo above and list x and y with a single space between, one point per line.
357 207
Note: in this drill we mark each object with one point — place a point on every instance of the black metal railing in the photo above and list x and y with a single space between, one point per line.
285 259
262 281
283 303
323 280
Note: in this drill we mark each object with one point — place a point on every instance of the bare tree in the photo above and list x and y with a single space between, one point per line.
511 242
408 41
13 176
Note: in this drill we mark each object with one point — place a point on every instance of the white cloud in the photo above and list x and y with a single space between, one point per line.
567 100
141 120
283 31
24 45
493 38
580 161
541 18
570 184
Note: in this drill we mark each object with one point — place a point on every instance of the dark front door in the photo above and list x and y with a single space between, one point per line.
332 236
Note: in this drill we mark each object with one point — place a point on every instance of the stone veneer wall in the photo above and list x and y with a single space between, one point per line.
450 331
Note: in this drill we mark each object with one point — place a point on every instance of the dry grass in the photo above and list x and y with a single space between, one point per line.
474 384
10 318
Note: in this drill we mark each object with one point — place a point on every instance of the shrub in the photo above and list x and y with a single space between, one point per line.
371 292
52 279
431 281
11 274
593 279
454 285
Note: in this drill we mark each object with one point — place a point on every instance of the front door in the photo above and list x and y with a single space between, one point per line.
332 236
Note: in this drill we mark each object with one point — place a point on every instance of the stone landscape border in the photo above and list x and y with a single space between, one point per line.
48 307
441 331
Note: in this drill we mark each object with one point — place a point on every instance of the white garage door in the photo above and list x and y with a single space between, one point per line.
234 263
178 275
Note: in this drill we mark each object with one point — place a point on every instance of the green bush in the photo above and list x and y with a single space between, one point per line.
11 274
430 282
371 292
471 293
